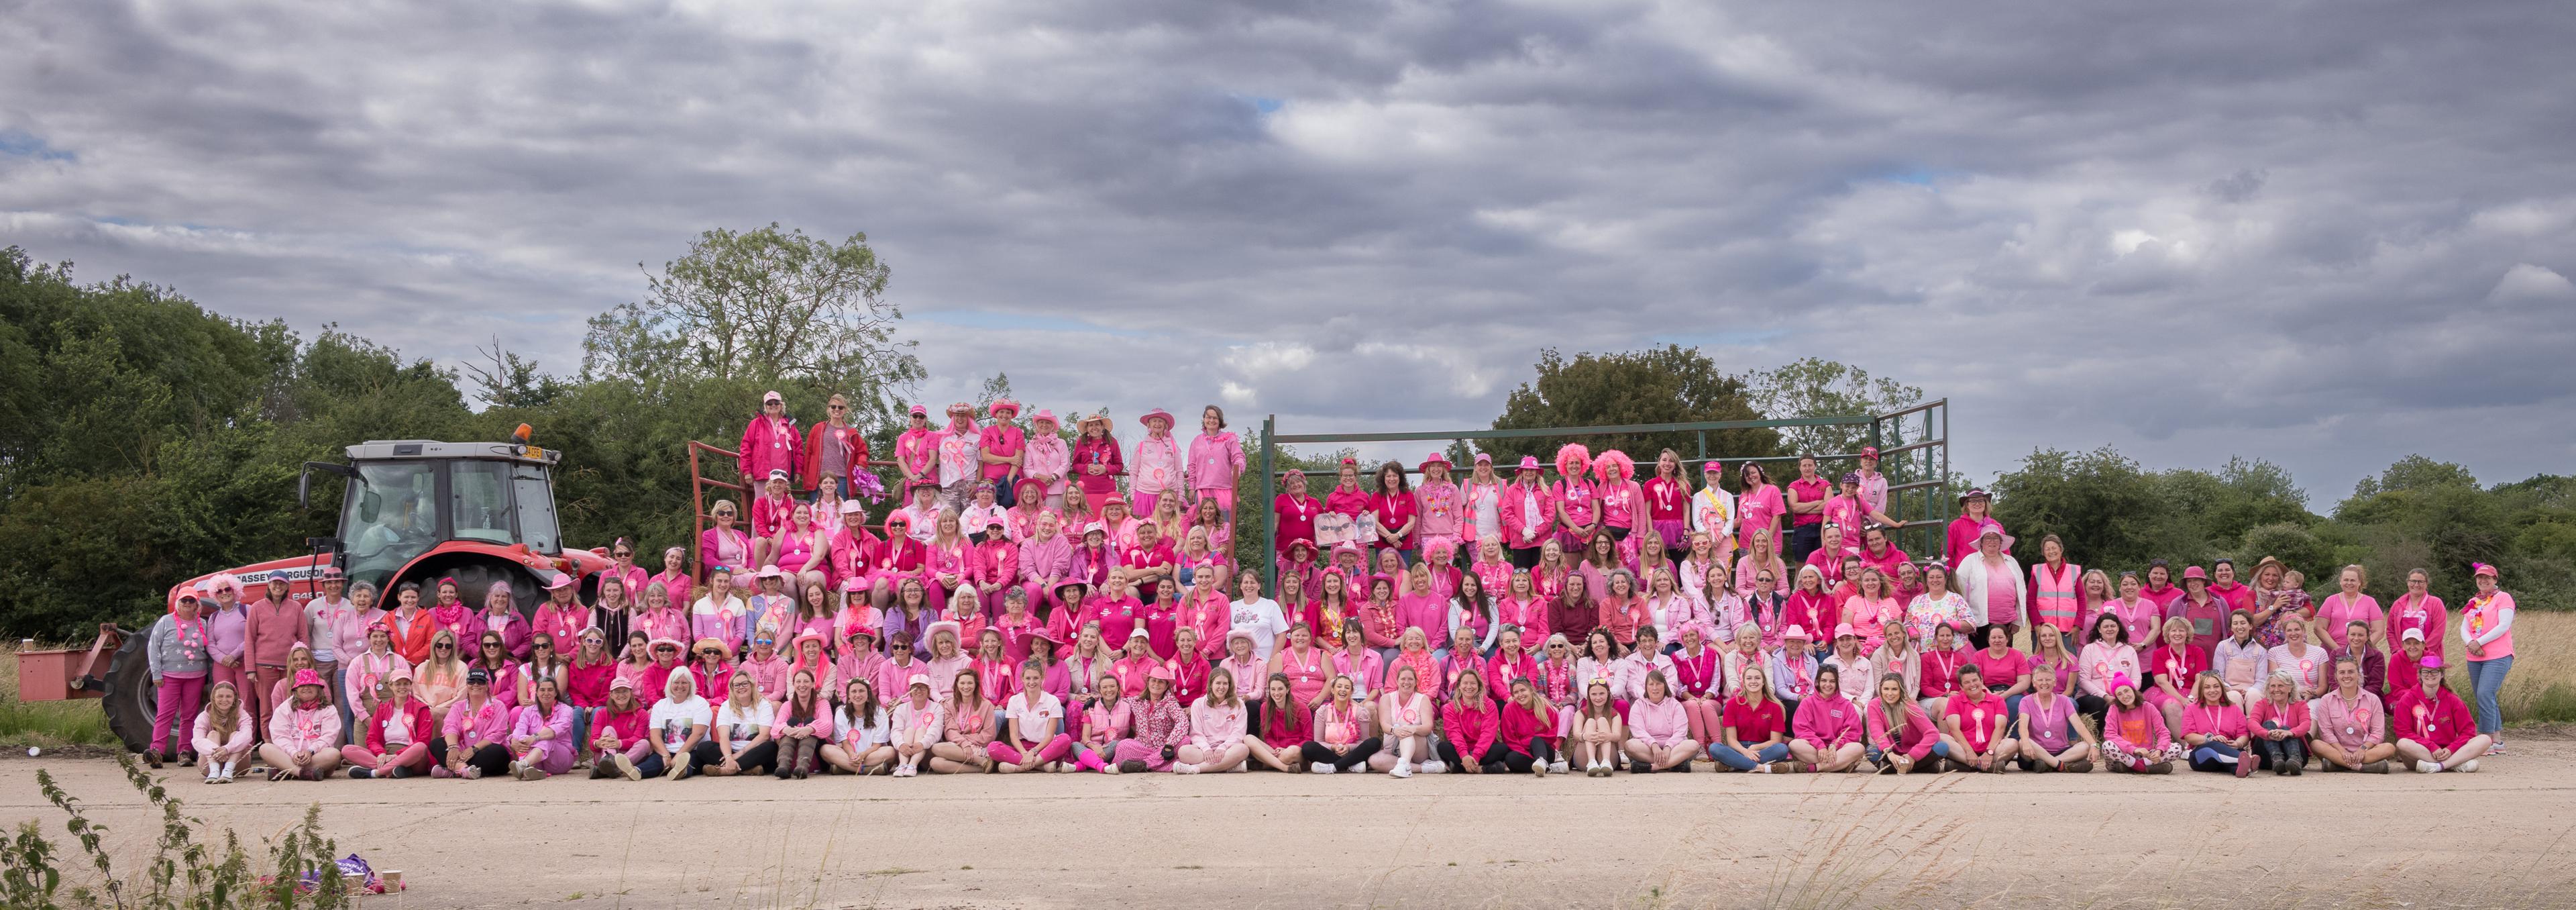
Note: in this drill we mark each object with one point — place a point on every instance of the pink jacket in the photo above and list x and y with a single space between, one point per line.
470 729
770 444
556 724
1911 736
713 547
1215 460
1047 456
1827 721
1657 723
1471 728
1523 528
1156 465
2293 718
1216 727
300 729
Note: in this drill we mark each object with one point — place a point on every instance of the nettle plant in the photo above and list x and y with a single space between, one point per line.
190 867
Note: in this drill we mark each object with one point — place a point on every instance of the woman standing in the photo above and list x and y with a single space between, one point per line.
1938 606
1712 512
1215 460
1976 508
1097 461
2056 588
1992 585
2486 625
1668 498
1394 511
1577 507
1759 510
2417 609
2349 605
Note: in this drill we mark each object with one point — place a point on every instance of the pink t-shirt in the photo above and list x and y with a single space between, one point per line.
1999 672
2337 610
1976 718
1809 491
2003 603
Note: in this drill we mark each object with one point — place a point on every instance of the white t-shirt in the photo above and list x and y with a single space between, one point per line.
865 733
1032 719
740 726
674 718
1263 620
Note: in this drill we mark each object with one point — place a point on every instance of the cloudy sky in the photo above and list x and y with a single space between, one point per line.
2324 234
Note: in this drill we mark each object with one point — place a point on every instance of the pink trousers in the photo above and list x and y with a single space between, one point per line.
1014 753
414 756
1133 750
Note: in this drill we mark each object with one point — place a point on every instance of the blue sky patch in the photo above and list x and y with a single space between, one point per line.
23 144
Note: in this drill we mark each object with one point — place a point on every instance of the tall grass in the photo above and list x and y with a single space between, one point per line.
46 724
2542 686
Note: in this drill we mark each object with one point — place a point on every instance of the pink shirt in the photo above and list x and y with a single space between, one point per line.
1658 723
2337 610
1214 460
1828 721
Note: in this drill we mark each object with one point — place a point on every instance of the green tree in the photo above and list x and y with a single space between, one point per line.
1816 387
766 305
1670 384
2414 472
2100 503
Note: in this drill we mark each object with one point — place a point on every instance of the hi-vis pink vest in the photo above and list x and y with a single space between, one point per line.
2056 599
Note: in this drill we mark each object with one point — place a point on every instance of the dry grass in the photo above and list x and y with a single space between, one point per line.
2542 686
45 725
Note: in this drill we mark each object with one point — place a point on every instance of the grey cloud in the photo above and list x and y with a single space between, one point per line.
2192 229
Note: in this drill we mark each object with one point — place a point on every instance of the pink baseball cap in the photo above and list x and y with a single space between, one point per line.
306 677
1869 451
770 396
1845 630
1712 466
919 411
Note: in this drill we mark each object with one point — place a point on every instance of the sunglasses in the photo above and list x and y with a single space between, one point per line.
542 646
839 407
622 554
443 647
710 652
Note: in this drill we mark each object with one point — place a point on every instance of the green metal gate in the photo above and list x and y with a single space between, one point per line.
1913 447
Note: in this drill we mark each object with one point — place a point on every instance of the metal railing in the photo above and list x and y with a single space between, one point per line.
1925 458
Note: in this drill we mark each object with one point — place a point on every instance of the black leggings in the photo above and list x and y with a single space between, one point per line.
751 761
1501 759
1318 753
489 757
1491 761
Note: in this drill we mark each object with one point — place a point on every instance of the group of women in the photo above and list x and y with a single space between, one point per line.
1481 627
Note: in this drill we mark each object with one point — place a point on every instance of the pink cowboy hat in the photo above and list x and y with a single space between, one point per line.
1148 419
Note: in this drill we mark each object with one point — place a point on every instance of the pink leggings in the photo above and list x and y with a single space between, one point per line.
1013 753
1704 718
414 756
1094 758
1133 750
552 756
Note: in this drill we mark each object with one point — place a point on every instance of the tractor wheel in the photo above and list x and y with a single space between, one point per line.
475 578
130 698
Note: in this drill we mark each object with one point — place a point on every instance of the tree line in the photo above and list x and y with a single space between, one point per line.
144 439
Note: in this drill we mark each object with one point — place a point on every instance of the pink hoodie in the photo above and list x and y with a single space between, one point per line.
1658 723
1216 728
1215 460
1827 721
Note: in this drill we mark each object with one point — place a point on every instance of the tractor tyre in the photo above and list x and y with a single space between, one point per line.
131 698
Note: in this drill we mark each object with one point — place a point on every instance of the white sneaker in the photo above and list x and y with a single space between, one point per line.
1435 767
1401 770
2468 767
1556 767
2427 767
1325 768
1762 768
1184 768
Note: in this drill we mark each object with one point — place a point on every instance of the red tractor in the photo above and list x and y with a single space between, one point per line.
412 511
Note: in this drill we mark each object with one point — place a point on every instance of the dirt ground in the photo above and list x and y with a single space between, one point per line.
2498 838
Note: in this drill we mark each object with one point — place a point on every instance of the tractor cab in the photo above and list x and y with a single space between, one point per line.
406 497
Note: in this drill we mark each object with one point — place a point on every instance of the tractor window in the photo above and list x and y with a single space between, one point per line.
481 507
390 517
536 508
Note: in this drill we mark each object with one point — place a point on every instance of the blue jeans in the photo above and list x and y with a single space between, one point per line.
581 747
2206 757
1736 760
339 695
2487 677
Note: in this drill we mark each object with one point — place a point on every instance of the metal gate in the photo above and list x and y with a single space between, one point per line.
1913 447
